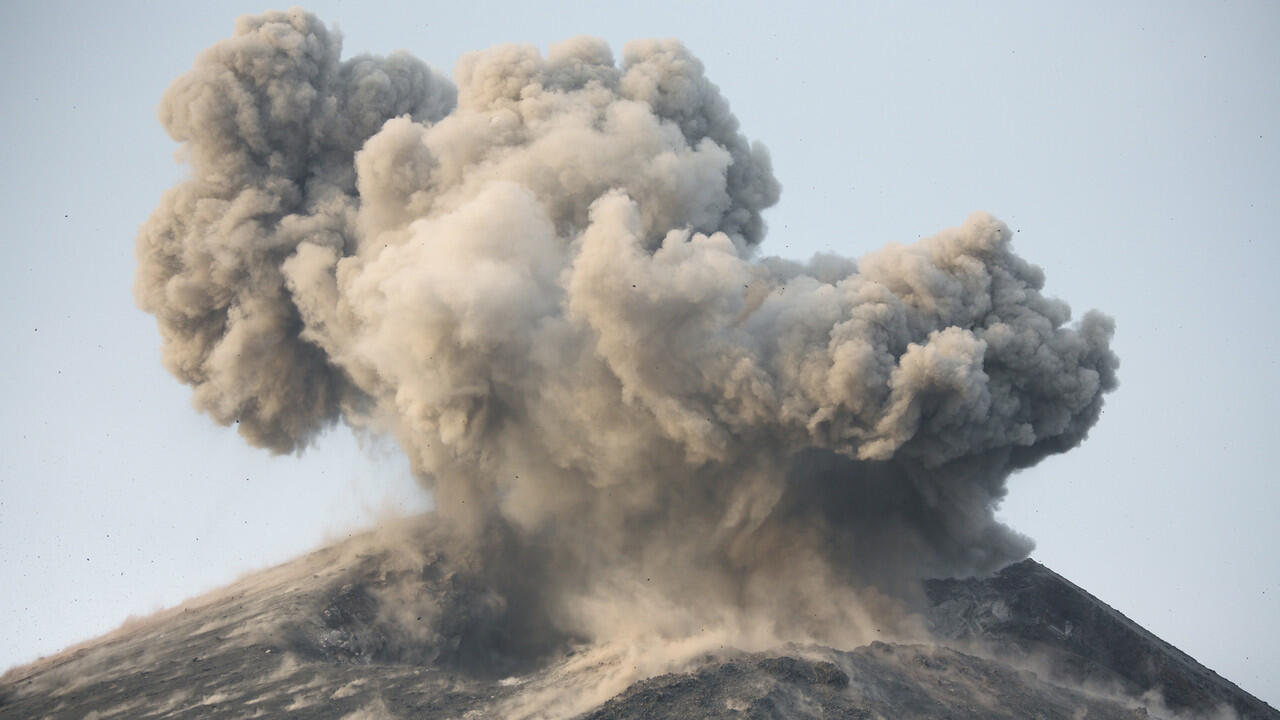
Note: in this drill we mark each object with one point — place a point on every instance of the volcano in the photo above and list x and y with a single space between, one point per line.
388 625
672 476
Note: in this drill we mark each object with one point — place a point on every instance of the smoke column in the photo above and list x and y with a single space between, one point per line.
543 281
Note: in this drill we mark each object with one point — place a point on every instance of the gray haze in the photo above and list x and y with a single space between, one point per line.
544 285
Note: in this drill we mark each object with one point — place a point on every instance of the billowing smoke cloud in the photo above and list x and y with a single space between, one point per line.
545 285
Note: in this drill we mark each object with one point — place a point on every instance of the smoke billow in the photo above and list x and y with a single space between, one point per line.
544 283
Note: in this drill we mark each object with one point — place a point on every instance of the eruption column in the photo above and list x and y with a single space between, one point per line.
544 282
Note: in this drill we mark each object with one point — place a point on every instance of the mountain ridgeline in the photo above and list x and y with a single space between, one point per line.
390 625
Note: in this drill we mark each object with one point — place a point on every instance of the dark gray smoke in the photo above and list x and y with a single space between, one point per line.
549 294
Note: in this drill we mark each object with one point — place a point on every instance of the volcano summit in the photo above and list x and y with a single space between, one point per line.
378 626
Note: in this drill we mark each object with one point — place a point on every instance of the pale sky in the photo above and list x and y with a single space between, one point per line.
1134 147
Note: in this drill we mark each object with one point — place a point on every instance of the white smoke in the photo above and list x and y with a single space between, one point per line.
550 295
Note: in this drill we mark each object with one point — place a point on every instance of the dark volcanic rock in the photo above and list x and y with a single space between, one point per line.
798 671
1028 611
877 681
369 629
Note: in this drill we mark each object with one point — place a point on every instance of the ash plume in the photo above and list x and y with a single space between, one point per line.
544 282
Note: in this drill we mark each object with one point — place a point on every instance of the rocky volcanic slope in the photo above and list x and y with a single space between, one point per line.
1027 611
877 681
336 635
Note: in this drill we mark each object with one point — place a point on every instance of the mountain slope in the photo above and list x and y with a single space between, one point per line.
877 681
1028 611
369 629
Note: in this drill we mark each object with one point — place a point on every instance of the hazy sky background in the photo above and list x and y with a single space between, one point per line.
1135 149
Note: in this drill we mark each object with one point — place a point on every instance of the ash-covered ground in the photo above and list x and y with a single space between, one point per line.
388 625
